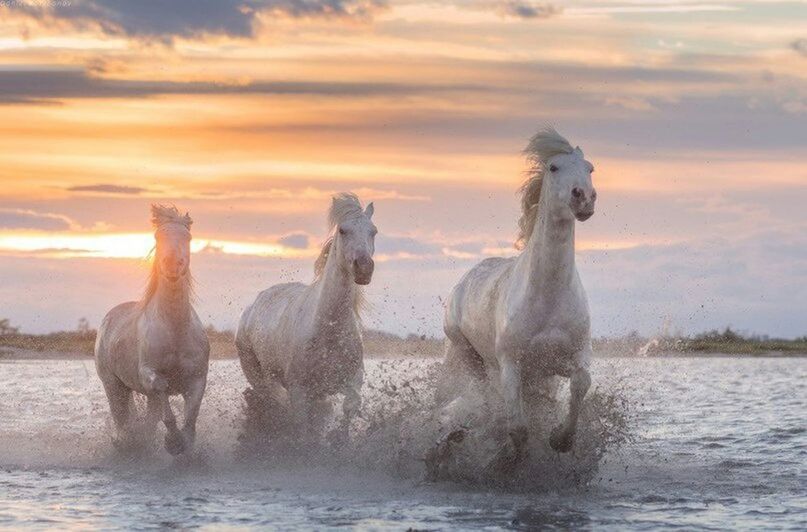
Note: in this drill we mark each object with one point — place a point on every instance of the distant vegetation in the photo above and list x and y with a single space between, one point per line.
81 341
727 341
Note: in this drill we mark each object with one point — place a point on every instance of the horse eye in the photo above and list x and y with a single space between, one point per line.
341 231
553 168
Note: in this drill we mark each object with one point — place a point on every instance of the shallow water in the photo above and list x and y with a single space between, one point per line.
716 443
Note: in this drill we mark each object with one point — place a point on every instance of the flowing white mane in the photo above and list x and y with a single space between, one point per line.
165 214
543 145
344 206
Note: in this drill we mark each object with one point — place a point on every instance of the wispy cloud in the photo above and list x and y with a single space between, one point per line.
527 9
37 85
27 219
296 240
108 189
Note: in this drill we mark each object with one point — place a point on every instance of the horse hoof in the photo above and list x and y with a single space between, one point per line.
437 460
561 440
174 443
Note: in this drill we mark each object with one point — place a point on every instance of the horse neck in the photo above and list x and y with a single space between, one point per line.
548 258
336 292
172 301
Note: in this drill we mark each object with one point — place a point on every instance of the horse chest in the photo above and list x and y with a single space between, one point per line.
547 338
173 352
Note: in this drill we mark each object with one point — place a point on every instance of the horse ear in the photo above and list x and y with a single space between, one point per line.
369 210
187 220
578 151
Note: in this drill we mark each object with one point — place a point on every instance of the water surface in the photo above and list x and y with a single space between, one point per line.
716 443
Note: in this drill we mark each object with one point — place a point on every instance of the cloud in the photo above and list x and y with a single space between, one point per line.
109 189
800 46
160 20
390 245
757 283
295 240
25 219
528 10
37 86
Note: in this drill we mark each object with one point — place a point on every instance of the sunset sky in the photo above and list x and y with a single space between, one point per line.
251 113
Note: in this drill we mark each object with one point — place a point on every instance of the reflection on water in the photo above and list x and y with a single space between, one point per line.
716 443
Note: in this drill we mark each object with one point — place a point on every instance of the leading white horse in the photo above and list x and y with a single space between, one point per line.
157 346
300 344
519 321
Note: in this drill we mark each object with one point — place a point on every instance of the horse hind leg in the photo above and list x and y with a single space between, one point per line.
120 406
462 366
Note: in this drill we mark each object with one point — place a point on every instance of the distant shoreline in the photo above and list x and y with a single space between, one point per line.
16 354
80 344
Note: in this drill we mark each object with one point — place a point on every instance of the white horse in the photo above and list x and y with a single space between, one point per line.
157 346
521 321
300 344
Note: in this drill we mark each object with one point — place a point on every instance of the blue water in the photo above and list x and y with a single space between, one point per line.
716 443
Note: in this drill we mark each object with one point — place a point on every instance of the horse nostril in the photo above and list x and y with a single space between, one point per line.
577 192
593 194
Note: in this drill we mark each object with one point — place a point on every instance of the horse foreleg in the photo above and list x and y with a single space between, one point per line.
193 400
562 436
511 384
300 409
352 401
153 411
156 387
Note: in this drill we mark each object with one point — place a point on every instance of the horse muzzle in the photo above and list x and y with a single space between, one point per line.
582 203
363 271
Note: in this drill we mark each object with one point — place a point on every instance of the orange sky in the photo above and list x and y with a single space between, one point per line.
692 112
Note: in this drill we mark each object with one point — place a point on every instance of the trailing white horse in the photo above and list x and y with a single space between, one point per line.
517 322
157 346
300 344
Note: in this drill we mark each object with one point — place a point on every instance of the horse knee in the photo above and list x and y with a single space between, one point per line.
580 382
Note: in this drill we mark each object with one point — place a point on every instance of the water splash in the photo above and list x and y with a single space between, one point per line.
402 426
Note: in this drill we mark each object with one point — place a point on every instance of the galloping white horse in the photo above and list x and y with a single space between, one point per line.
157 346
519 321
300 344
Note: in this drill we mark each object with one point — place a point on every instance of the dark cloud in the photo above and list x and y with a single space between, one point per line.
527 9
25 219
108 189
158 19
800 46
38 86
295 240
